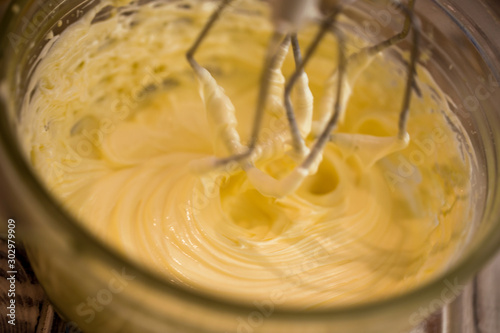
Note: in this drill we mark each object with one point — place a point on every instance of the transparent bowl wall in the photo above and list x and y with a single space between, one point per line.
100 291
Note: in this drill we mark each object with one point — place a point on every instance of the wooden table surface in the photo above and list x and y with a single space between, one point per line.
477 310
34 312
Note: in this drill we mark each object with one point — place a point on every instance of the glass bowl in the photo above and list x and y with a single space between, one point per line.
101 291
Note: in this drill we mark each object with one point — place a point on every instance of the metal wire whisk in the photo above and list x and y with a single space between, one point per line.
288 16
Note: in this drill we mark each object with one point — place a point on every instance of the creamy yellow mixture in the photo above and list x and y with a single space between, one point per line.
118 126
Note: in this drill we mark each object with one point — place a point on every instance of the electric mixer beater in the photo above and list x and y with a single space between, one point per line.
288 17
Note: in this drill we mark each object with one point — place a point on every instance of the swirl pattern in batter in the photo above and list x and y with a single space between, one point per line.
115 118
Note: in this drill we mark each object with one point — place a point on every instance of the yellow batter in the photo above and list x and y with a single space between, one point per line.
116 125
